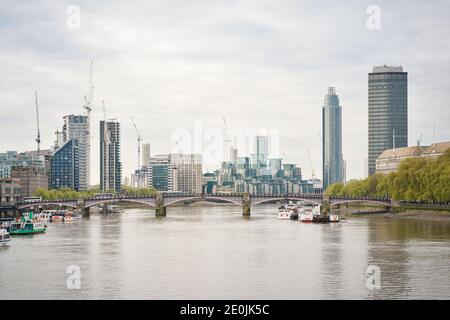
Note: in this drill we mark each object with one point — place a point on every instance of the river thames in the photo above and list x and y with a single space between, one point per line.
212 252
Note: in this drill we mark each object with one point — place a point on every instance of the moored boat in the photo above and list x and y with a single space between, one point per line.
284 213
306 215
4 237
334 218
27 225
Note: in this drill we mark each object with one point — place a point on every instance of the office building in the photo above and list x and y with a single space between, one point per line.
32 178
161 174
10 191
388 111
189 172
261 152
333 167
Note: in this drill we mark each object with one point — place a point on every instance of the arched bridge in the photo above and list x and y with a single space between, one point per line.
161 201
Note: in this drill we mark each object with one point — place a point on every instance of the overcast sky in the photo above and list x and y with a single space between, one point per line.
174 65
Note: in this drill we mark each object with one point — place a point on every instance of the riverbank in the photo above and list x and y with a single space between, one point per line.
424 215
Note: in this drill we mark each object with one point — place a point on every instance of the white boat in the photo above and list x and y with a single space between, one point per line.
306 214
4 237
113 209
284 213
334 218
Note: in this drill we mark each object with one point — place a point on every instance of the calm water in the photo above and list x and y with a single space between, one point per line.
214 253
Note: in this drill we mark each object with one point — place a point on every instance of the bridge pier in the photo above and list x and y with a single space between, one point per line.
246 205
160 209
87 212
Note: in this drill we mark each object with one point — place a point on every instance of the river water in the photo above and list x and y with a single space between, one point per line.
212 252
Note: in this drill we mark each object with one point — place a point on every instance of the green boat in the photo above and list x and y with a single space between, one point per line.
26 225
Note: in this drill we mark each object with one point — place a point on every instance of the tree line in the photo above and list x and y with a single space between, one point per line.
416 179
67 193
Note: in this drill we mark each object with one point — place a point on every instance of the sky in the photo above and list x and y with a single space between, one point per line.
178 68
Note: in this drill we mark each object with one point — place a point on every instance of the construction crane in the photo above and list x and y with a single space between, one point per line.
139 138
310 163
38 138
90 95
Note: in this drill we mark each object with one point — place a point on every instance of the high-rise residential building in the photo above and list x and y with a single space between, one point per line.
261 152
189 172
333 163
76 127
64 166
161 173
388 111
145 155
110 163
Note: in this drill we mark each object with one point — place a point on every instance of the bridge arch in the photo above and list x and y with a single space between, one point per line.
208 199
135 200
379 202
265 200
40 204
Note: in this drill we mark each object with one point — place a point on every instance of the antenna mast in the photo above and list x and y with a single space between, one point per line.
38 138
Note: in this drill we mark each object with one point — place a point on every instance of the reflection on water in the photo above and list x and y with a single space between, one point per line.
215 253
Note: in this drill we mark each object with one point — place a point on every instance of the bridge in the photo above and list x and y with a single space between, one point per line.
161 201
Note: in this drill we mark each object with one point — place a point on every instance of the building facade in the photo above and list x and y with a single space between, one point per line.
390 159
189 172
31 178
261 152
10 191
110 161
76 127
388 111
161 173
333 167
145 155
64 167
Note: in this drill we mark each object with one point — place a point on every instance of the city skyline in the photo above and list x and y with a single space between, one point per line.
260 75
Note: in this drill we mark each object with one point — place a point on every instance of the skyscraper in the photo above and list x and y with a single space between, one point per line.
261 152
110 164
332 139
76 127
64 167
388 111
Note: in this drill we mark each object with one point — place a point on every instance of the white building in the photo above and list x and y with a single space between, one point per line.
189 172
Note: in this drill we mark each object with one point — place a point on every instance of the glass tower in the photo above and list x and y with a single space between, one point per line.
332 139
388 111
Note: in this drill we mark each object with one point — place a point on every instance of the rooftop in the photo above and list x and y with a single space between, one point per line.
414 151
386 68
439 147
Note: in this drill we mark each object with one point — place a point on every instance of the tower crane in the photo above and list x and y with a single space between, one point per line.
90 95
310 163
38 138
139 138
